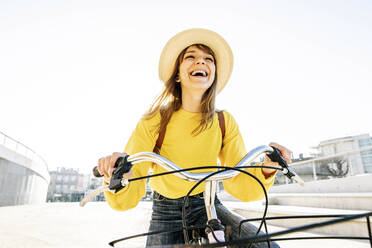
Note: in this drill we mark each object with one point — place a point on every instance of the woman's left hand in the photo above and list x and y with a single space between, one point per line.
286 153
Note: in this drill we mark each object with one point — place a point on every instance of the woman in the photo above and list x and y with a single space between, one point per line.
183 126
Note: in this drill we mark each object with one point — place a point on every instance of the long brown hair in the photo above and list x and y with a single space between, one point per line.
170 100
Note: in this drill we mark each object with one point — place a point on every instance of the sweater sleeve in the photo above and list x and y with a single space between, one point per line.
242 186
142 140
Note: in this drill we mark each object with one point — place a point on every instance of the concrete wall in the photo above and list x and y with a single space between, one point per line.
350 201
354 184
22 180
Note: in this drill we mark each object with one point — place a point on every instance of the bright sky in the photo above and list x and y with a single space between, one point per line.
77 75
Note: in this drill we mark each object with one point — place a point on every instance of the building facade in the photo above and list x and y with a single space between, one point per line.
68 185
335 158
360 161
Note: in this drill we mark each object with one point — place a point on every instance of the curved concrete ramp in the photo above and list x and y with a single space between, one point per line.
24 178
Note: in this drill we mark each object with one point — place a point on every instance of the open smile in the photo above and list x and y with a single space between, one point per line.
199 73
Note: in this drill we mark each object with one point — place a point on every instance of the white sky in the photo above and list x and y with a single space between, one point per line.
77 75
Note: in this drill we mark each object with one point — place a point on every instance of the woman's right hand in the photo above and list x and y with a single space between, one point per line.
106 166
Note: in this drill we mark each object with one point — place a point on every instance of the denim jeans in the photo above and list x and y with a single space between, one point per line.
167 215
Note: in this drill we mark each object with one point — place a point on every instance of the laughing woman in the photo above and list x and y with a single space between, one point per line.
184 126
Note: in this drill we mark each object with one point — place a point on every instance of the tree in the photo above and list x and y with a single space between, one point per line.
335 167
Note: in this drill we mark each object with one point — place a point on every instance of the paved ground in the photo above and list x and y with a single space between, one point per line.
68 225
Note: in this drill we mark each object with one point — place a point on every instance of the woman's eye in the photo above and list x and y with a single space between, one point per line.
189 57
210 59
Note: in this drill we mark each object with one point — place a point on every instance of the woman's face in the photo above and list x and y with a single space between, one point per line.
197 70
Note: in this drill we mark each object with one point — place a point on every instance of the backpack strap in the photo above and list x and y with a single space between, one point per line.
159 141
221 121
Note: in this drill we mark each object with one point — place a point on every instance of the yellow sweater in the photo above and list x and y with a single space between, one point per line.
186 150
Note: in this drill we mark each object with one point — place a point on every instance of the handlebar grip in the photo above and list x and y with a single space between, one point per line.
96 172
121 166
276 156
119 163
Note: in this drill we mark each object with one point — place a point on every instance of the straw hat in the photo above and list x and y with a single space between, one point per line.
180 41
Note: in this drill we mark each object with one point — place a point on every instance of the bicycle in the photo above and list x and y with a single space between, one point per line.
213 228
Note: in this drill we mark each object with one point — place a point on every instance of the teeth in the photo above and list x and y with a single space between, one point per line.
196 72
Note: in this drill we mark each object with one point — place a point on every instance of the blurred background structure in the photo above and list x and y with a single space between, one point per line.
24 175
68 185
335 158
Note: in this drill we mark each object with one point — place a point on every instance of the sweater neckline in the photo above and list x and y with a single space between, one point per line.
187 114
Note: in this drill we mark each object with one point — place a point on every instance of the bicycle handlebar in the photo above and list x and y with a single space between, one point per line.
124 164
249 157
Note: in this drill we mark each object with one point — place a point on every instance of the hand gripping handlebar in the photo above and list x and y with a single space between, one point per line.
124 164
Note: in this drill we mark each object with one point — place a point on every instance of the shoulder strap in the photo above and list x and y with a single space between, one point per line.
159 141
221 121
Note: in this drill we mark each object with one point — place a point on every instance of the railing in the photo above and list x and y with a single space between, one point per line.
21 149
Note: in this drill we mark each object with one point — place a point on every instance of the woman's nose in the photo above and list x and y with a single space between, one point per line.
200 61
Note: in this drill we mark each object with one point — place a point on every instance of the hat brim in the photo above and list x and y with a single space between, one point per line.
223 54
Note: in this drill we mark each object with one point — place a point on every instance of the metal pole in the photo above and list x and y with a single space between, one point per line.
314 172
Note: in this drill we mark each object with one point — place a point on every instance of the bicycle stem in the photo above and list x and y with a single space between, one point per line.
209 196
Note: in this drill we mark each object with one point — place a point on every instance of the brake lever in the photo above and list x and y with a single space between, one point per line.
276 156
122 166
